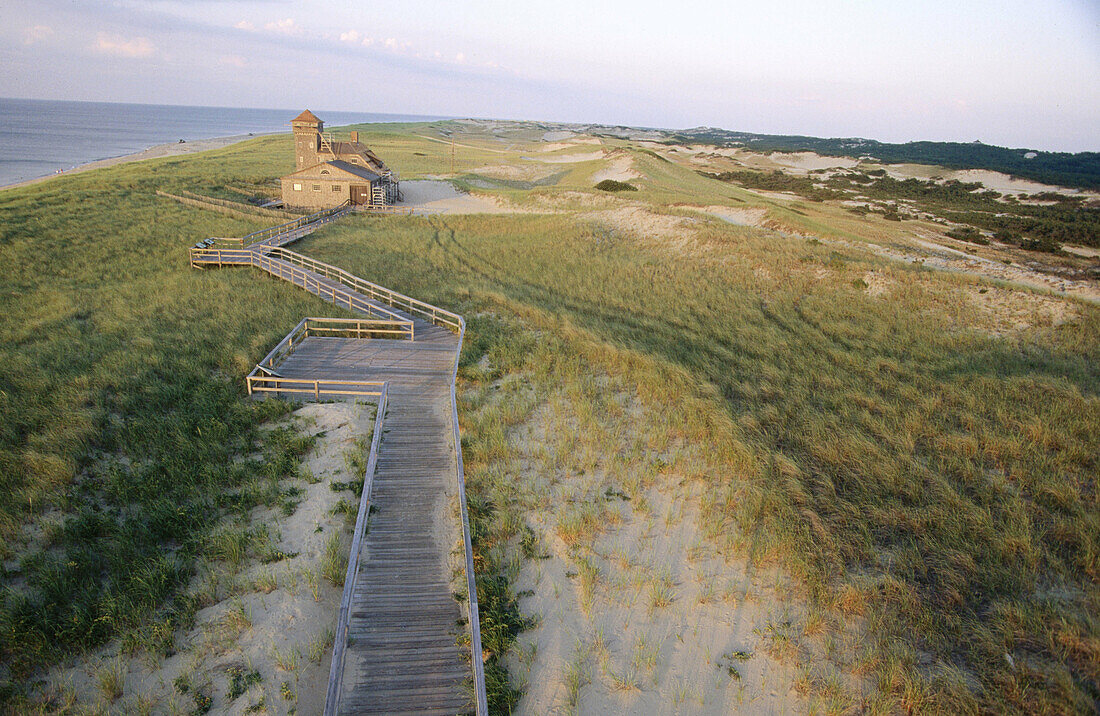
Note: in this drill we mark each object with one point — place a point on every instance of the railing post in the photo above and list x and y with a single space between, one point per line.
316 390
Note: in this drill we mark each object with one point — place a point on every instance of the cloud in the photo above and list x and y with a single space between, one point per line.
121 47
233 61
245 25
397 47
37 33
286 26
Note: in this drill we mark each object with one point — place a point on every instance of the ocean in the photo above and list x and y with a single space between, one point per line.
39 137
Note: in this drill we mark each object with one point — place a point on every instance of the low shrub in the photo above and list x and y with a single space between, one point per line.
612 185
1044 244
969 234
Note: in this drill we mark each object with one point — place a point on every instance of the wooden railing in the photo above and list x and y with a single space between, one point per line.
258 237
284 348
297 269
388 209
436 315
259 382
339 293
320 217
265 377
359 328
339 646
220 256
339 327
481 700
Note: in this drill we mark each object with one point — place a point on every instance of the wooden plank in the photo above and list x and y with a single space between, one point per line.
397 634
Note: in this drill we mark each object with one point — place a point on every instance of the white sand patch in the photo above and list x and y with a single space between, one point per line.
1004 311
1005 183
574 201
651 618
914 171
511 172
777 195
640 221
569 158
926 251
557 136
441 197
620 169
271 619
678 233
803 162
878 284
556 146
996 181
741 217
1086 251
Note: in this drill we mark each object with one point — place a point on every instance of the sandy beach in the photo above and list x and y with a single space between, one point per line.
154 152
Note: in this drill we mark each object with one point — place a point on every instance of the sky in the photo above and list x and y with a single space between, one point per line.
1011 73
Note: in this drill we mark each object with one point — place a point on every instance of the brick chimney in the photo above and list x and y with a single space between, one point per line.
355 136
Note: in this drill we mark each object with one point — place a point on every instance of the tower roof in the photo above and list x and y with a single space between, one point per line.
307 116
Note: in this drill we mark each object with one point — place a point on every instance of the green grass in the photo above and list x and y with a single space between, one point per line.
936 481
123 430
932 480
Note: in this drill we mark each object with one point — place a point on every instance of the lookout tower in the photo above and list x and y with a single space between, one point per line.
307 139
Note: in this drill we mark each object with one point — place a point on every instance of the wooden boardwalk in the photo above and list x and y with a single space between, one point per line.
400 653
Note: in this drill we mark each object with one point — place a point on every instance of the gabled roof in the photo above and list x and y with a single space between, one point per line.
343 150
339 166
307 116
355 169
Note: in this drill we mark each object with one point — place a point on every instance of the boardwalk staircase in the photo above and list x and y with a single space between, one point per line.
399 626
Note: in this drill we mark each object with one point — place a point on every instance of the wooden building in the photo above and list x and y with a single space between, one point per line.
329 172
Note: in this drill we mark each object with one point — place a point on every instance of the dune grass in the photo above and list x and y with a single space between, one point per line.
931 480
124 435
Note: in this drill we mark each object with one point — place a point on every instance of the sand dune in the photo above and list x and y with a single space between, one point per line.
620 169
569 158
441 197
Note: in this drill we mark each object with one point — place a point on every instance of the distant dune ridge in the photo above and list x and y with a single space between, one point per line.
1062 168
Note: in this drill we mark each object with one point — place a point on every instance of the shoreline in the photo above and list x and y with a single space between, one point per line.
154 152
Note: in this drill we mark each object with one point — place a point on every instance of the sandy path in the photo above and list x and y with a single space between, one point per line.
441 197
569 158
160 150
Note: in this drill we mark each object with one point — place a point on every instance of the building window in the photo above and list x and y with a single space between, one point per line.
316 187
324 171
297 186
336 187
